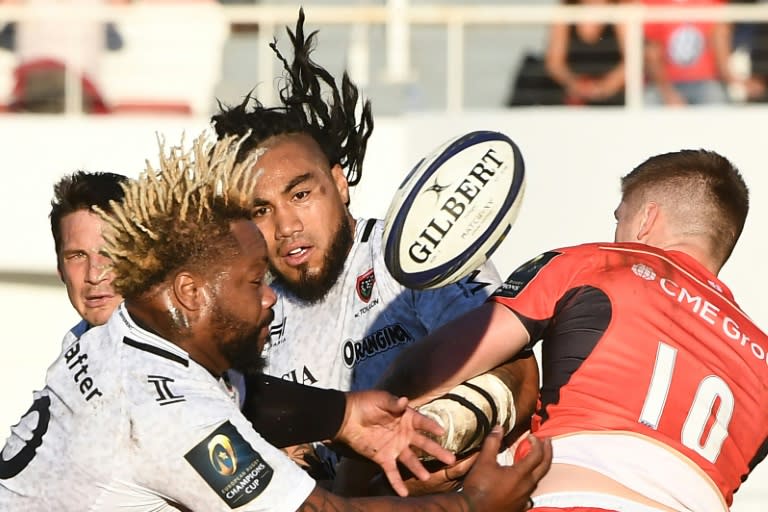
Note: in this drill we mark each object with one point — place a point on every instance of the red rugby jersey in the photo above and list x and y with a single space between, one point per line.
647 341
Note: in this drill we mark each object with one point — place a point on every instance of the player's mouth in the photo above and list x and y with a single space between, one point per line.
98 300
296 255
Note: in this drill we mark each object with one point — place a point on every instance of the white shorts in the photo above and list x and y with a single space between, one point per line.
590 499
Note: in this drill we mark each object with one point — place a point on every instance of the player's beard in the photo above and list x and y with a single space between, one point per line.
240 342
312 287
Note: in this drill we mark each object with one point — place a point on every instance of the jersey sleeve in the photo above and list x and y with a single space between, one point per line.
533 290
207 456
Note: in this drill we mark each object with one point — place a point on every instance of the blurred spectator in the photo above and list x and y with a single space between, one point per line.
688 62
46 46
587 59
749 59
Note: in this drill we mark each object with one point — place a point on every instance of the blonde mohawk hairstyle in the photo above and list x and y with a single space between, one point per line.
178 214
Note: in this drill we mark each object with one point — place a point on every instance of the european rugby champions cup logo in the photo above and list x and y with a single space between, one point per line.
222 455
230 465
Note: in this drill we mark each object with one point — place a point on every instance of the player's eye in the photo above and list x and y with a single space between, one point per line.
301 195
259 211
259 280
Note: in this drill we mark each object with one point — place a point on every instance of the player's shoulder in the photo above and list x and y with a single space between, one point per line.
161 391
80 328
94 344
368 238
563 255
74 333
601 261
369 231
560 263
152 369
584 252
626 252
585 249
367 251
157 374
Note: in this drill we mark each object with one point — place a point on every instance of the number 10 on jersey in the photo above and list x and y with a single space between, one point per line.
700 411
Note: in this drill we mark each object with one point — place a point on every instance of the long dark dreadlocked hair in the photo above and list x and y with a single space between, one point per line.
333 124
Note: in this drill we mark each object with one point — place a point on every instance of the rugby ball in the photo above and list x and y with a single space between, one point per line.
453 210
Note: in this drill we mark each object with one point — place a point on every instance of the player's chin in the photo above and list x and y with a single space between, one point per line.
288 274
99 316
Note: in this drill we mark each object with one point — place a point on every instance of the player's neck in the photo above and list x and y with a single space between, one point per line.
697 252
149 319
163 323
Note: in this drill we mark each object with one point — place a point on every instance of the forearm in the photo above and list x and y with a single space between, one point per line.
424 382
286 413
561 73
504 396
556 57
521 376
321 500
463 348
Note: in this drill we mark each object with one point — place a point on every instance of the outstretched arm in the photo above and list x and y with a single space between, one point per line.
473 343
469 345
505 396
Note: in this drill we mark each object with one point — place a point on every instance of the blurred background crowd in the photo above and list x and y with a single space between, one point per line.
182 56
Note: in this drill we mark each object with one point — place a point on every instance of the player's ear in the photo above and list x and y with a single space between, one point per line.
188 291
649 218
337 173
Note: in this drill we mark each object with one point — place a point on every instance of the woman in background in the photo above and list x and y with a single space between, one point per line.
587 59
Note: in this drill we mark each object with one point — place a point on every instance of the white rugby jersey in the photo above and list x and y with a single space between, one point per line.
127 421
348 339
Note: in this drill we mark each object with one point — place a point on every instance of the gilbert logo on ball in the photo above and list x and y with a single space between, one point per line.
453 209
